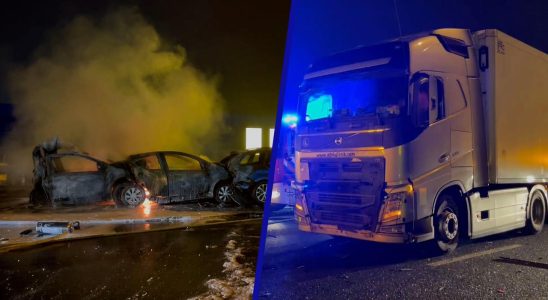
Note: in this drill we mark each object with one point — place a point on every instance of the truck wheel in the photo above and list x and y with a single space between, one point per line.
537 213
259 192
129 194
224 193
446 225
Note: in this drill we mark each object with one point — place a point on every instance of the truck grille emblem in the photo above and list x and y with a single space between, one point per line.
339 140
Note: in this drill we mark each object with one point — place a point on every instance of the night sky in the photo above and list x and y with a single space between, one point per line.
322 27
242 42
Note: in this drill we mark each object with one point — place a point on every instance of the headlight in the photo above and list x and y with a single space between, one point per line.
393 206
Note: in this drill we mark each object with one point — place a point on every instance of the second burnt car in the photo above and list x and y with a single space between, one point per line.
63 175
250 172
176 176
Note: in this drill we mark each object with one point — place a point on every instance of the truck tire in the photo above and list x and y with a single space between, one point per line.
129 194
537 213
446 225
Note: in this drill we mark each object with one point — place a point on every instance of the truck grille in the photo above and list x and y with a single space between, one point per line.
344 192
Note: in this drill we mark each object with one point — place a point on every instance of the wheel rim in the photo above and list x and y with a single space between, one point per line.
225 193
133 196
537 212
260 192
449 225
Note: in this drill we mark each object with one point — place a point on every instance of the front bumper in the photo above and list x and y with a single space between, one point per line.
356 234
404 230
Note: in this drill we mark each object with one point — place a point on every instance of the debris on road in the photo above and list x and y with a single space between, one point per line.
57 227
25 232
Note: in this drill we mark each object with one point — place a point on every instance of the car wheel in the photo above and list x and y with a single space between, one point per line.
224 193
446 225
537 213
129 194
259 192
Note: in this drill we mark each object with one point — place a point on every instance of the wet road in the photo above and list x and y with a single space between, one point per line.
201 261
311 266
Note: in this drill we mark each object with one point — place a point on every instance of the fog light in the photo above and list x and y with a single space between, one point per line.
391 229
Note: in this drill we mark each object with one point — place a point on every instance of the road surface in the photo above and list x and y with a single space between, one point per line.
175 264
300 265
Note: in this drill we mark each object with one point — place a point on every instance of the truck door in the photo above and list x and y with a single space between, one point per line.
430 151
75 179
186 176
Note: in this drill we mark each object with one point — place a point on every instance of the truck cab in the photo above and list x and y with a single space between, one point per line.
391 145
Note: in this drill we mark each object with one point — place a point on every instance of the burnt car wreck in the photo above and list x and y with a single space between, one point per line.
249 170
62 175
179 177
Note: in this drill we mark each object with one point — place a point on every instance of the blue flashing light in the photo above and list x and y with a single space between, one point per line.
290 120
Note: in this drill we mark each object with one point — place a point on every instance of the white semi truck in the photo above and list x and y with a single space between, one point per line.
432 137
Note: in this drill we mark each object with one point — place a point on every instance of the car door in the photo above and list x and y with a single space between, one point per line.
75 179
263 167
187 179
245 165
149 170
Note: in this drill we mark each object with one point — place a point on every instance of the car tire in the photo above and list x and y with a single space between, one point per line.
224 193
258 193
129 194
537 213
446 225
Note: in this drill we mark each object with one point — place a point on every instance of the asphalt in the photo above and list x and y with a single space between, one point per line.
104 219
299 265
206 261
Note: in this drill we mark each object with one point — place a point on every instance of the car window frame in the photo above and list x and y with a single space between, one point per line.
200 162
53 171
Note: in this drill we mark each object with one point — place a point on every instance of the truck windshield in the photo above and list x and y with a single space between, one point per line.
354 97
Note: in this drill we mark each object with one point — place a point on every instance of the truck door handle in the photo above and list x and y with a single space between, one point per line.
443 158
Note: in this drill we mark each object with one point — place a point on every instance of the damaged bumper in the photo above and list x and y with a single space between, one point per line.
392 223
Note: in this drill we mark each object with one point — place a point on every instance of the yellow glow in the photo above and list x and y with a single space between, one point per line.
392 215
410 188
146 207
298 207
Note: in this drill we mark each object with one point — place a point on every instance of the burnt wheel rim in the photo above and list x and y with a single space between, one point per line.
260 192
133 196
537 212
224 194
448 225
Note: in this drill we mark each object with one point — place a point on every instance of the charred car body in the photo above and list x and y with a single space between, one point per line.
71 177
175 177
250 172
